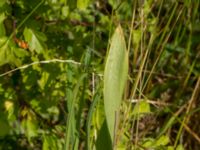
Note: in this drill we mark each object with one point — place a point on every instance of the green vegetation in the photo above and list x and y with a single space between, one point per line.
99 74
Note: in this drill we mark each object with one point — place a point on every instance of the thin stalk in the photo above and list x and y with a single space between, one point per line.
187 116
161 50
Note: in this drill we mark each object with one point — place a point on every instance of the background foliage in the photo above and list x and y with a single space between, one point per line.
52 88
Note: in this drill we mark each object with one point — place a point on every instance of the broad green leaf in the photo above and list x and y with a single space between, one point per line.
82 4
115 76
35 40
141 107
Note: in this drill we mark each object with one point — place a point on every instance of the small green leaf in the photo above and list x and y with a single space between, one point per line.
141 107
82 4
162 141
115 76
148 142
36 40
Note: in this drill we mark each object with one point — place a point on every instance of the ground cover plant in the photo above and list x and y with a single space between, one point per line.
99 74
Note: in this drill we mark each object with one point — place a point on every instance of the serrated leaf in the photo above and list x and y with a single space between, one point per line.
36 40
115 76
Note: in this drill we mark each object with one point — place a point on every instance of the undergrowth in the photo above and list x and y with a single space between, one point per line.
100 75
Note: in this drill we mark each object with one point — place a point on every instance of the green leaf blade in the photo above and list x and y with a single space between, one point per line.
115 76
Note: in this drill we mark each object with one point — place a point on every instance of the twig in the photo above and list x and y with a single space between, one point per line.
41 62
